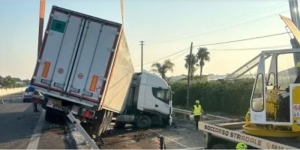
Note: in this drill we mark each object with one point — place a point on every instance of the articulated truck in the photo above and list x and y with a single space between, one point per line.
85 67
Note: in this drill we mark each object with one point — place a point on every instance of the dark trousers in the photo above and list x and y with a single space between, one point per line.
34 106
197 119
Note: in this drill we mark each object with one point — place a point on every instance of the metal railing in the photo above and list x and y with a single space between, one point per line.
186 112
9 98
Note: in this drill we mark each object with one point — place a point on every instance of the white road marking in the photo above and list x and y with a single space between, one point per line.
170 139
35 138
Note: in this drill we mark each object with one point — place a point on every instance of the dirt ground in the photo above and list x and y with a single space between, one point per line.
181 135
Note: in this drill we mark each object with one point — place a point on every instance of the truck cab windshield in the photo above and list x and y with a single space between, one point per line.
162 94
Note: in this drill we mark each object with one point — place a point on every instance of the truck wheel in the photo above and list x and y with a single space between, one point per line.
166 123
87 127
143 122
219 146
50 116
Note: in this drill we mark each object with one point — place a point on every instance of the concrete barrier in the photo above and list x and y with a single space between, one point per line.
6 92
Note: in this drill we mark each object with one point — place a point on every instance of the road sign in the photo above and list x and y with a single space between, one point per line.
296 107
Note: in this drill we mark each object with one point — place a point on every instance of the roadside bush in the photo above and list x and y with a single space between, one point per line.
230 97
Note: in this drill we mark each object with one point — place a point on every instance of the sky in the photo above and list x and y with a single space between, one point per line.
166 26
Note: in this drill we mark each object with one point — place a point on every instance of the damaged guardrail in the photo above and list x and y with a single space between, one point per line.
186 112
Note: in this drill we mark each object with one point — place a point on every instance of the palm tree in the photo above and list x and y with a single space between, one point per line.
194 63
202 56
162 69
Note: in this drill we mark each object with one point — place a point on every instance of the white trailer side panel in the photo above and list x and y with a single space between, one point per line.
58 51
120 78
93 60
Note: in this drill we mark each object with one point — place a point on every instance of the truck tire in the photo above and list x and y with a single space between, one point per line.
119 125
143 122
87 127
219 146
165 123
50 116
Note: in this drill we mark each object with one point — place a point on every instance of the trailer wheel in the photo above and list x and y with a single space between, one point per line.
143 122
87 127
219 146
50 116
119 125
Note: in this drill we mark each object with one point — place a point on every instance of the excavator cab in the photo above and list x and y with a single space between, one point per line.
275 99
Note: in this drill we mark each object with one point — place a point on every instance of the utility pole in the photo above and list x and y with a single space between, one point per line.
189 77
142 55
296 20
41 26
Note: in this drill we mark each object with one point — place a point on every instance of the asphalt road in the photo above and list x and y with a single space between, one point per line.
21 128
17 124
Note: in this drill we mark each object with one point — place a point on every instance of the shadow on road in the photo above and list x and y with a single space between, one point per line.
128 129
17 124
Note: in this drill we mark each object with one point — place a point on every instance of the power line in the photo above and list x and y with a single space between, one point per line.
218 43
233 20
165 57
253 48
235 49
246 39
204 33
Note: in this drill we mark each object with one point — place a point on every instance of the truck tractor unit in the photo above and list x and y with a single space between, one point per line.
149 102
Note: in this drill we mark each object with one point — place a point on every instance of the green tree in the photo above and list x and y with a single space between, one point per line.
163 68
230 97
26 81
194 64
1 80
202 56
17 79
9 82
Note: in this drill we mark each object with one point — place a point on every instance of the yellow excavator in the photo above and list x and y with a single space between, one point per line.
273 119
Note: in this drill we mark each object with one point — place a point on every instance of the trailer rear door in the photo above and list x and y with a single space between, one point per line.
58 51
93 60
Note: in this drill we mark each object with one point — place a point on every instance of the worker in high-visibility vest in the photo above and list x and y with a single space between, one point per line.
241 146
197 112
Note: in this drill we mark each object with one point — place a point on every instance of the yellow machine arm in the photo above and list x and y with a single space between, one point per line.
292 27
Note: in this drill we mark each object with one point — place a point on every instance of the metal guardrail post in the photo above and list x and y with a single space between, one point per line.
162 144
186 112
87 137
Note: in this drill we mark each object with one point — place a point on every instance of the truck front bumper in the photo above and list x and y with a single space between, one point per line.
170 120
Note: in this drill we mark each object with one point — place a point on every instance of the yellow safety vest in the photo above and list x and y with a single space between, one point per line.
197 110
